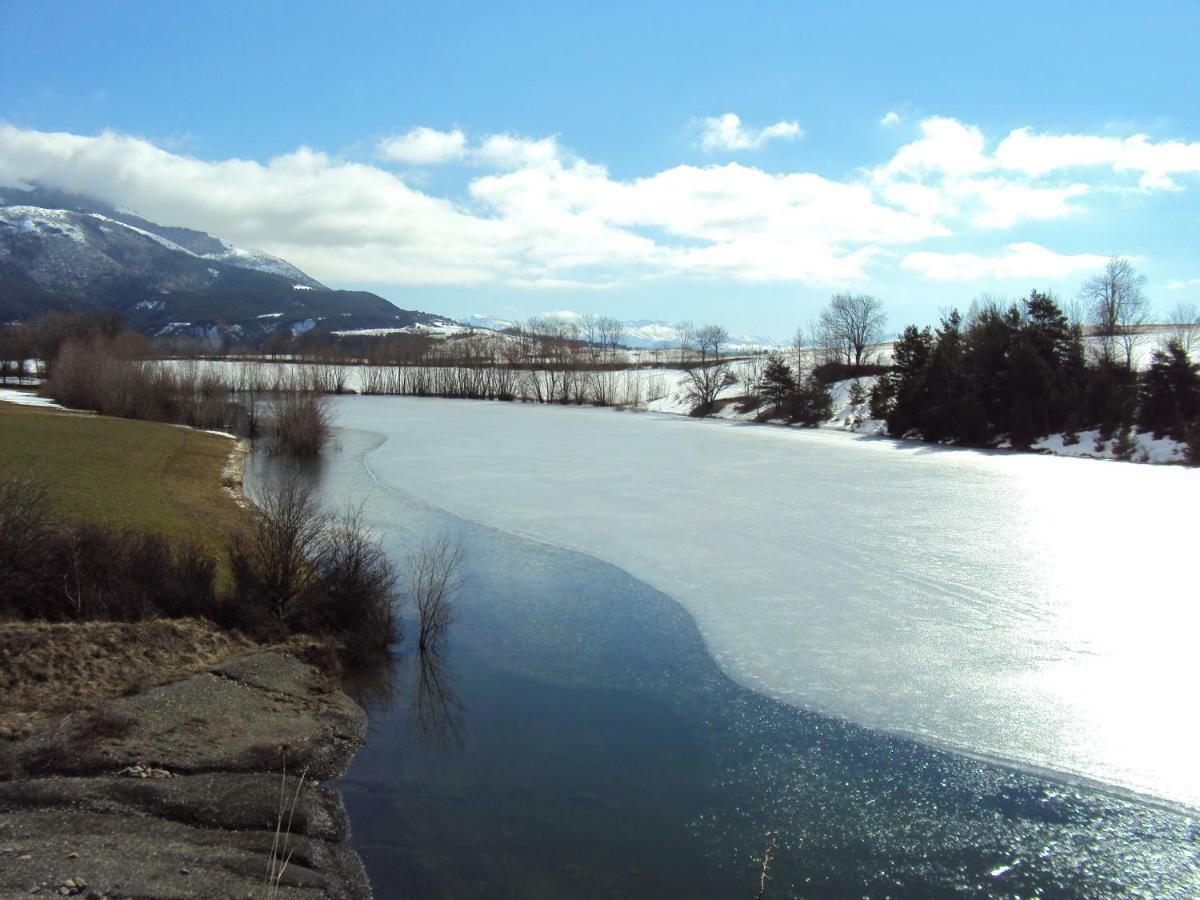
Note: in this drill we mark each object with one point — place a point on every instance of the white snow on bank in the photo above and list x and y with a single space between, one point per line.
26 398
1146 447
1016 606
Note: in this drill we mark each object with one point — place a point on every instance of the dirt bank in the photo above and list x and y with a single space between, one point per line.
173 789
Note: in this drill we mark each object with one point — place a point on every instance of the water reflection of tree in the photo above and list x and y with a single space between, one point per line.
437 712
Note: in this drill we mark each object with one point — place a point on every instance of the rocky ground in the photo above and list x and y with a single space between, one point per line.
176 789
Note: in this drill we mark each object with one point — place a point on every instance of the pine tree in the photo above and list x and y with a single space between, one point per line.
813 403
1170 392
777 383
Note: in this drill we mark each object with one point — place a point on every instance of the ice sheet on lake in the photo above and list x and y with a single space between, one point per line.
1038 610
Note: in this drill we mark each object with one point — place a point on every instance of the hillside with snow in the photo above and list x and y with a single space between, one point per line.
63 252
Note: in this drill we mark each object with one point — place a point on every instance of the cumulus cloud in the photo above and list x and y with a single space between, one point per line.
728 133
1041 154
891 117
505 151
535 215
948 173
540 218
423 146
1178 284
1020 260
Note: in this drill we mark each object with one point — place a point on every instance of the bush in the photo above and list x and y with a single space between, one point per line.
353 597
25 528
299 423
298 569
828 373
89 571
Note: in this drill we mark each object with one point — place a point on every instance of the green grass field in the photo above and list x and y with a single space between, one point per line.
124 472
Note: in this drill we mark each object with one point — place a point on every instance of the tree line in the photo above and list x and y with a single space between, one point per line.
1024 370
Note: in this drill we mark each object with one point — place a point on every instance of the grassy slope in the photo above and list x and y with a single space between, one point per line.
127 473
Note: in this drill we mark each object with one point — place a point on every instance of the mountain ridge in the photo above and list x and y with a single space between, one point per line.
71 252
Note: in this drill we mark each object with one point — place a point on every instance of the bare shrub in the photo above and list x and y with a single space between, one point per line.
25 526
300 569
273 563
434 580
704 384
300 423
356 599
91 570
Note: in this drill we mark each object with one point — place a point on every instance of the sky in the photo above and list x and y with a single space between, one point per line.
735 163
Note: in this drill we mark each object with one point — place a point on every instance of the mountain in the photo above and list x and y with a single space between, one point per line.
642 333
62 251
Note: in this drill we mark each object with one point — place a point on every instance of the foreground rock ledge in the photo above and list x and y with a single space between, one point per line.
96 817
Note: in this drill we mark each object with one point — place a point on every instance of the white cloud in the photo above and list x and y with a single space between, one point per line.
423 146
891 117
948 174
727 133
946 146
540 217
504 151
1019 260
1041 154
1178 284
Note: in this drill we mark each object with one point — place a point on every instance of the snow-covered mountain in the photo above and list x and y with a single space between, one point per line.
641 333
62 251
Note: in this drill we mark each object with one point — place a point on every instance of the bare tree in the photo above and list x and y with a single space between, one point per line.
704 384
1184 327
849 326
434 579
687 338
610 332
799 345
750 377
274 561
1117 308
709 339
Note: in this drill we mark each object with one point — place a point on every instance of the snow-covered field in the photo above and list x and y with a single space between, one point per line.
1024 608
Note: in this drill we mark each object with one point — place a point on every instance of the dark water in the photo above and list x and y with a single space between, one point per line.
573 738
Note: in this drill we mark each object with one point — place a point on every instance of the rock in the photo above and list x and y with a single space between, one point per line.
196 778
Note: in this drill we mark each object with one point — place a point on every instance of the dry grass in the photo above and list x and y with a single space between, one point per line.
44 665
55 668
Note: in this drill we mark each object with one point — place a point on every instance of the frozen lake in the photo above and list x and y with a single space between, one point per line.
1033 610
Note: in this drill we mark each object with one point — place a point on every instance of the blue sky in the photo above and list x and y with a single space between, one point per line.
583 156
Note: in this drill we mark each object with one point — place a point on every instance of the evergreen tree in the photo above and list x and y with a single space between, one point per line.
777 383
883 396
1170 392
906 382
812 404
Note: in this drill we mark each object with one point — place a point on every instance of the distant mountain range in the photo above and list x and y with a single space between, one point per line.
61 251
643 333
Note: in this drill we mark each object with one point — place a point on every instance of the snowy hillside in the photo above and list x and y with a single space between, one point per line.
70 252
